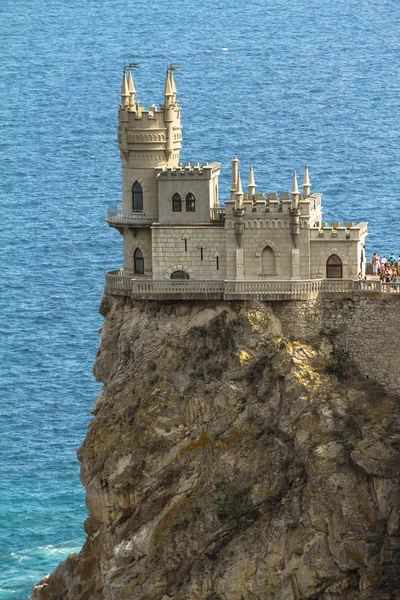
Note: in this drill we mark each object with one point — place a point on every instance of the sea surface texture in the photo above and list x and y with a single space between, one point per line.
276 82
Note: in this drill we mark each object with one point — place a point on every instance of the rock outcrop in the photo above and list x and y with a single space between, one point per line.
226 462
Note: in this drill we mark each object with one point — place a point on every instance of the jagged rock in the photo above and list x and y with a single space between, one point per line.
225 462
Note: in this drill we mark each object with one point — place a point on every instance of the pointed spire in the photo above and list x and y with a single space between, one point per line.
238 193
306 183
131 86
239 190
295 192
235 168
131 90
173 86
124 90
167 87
252 184
295 188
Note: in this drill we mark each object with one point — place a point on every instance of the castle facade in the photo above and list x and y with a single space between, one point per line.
175 227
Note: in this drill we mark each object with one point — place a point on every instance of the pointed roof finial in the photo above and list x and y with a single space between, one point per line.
131 90
124 90
131 86
239 189
173 86
306 183
251 184
167 87
295 188
238 193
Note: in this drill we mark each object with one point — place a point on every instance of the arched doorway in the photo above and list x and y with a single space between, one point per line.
138 262
268 266
180 275
334 267
137 197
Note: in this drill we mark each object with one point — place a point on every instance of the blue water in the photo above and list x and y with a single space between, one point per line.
276 82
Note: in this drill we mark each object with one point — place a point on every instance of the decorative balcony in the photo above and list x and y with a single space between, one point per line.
117 217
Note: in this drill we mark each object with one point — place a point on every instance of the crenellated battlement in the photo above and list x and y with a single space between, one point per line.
204 170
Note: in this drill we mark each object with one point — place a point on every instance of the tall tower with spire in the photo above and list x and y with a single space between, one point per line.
147 138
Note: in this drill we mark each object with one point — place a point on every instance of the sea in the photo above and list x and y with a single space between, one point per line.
277 83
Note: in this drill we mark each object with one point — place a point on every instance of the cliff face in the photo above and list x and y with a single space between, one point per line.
225 461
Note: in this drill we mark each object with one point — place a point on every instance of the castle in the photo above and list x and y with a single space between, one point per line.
175 228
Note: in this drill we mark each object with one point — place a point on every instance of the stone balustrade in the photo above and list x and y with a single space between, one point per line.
121 284
117 216
217 214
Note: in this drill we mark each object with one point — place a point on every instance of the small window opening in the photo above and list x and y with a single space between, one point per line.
185 245
137 197
190 203
201 253
138 262
217 260
180 275
176 203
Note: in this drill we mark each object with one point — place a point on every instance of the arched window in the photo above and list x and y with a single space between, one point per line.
137 197
176 203
138 262
180 275
334 268
190 203
268 265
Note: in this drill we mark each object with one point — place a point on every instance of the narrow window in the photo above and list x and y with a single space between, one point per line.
138 262
190 203
217 259
176 203
137 197
201 253
268 263
334 268
185 245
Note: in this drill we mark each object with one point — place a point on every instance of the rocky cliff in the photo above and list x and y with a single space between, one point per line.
226 461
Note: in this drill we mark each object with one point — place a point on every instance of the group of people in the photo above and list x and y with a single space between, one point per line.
388 269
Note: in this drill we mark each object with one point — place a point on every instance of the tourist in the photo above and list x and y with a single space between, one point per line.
375 263
392 258
383 260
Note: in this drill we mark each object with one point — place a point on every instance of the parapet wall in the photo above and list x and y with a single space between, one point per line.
363 328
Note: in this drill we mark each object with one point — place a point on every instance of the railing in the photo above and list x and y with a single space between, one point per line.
183 289
272 290
217 214
118 283
122 284
116 214
366 285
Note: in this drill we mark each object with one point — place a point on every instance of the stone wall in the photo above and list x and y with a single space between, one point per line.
364 329
170 251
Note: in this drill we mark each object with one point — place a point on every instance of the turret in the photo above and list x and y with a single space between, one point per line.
295 192
235 171
131 91
238 193
251 186
306 183
168 93
172 81
170 109
124 91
